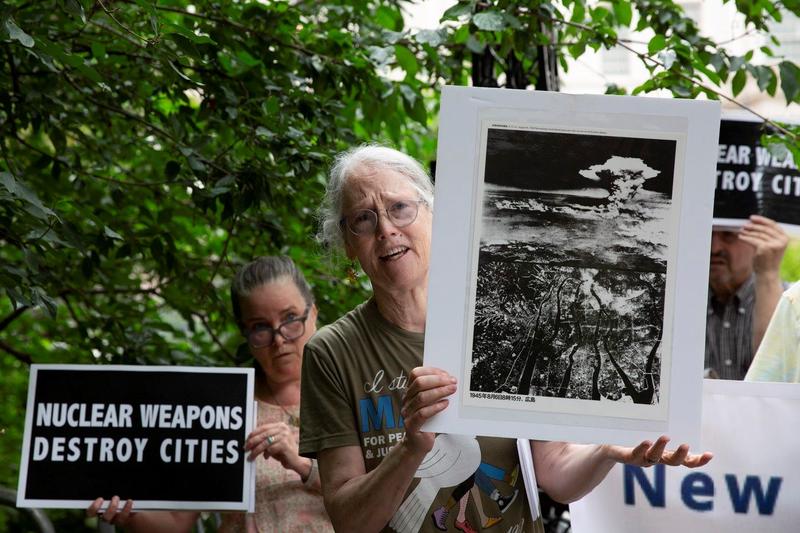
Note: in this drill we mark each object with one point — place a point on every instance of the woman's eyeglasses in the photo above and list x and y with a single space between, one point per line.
262 335
364 221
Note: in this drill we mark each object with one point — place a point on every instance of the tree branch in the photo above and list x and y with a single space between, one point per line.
93 175
20 356
210 331
253 31
121 25
13 316
648 58
222 257
71 310
143 121
14 96
104 26
734 39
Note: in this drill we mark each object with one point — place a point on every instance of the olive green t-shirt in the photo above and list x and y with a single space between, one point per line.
355 373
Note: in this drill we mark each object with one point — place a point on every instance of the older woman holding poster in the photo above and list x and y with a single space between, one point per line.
365 395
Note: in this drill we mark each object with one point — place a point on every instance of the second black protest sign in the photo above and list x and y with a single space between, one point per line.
751 180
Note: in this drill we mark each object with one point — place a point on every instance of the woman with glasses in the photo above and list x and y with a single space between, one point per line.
365 395
275 311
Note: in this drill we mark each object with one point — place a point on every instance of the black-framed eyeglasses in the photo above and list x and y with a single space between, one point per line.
262 335
364 221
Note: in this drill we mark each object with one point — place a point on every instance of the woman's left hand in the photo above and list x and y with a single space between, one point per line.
277 440
651 453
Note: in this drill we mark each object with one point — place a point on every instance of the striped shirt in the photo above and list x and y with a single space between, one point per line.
729 333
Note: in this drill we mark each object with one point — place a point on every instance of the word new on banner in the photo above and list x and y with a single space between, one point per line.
166 437
752 484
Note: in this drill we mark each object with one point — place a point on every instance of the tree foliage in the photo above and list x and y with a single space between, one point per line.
147 148
150 148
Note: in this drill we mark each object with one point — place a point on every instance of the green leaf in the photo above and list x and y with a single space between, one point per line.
772 88
171 169
431 37
578 12
169 27
778 151
261 131
461 35
717 62
8 181
489 21
475 45
623 12
16 33
196 164
108 232
389 18
392 37
183 76
513 21
667 57
157 249
409 94
380 55
764 76
576 50
34 205
599 14
710 74
739 81
98 50
682 91
75 9
736 63
42 298
656 44
418 111
406 60
457 11
790 80
70 60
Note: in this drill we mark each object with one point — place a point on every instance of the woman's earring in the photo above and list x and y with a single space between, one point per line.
351 272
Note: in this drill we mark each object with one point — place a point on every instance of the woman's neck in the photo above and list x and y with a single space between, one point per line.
406 309
284 393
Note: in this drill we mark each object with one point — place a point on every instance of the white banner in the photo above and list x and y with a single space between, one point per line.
752 484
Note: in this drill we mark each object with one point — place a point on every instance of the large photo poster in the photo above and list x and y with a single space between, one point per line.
572 269
569 259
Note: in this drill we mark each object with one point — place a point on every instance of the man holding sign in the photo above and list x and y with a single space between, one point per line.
744 288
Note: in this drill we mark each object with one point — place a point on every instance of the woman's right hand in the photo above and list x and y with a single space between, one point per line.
426 395
112 515
278 440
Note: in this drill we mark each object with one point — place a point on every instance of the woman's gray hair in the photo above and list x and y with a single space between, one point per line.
349 163
262 271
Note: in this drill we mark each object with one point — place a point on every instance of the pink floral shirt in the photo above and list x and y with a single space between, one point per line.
283 503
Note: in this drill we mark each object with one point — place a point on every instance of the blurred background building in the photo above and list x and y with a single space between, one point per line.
719 21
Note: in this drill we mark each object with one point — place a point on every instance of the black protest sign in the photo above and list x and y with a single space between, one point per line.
166 437
751 180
